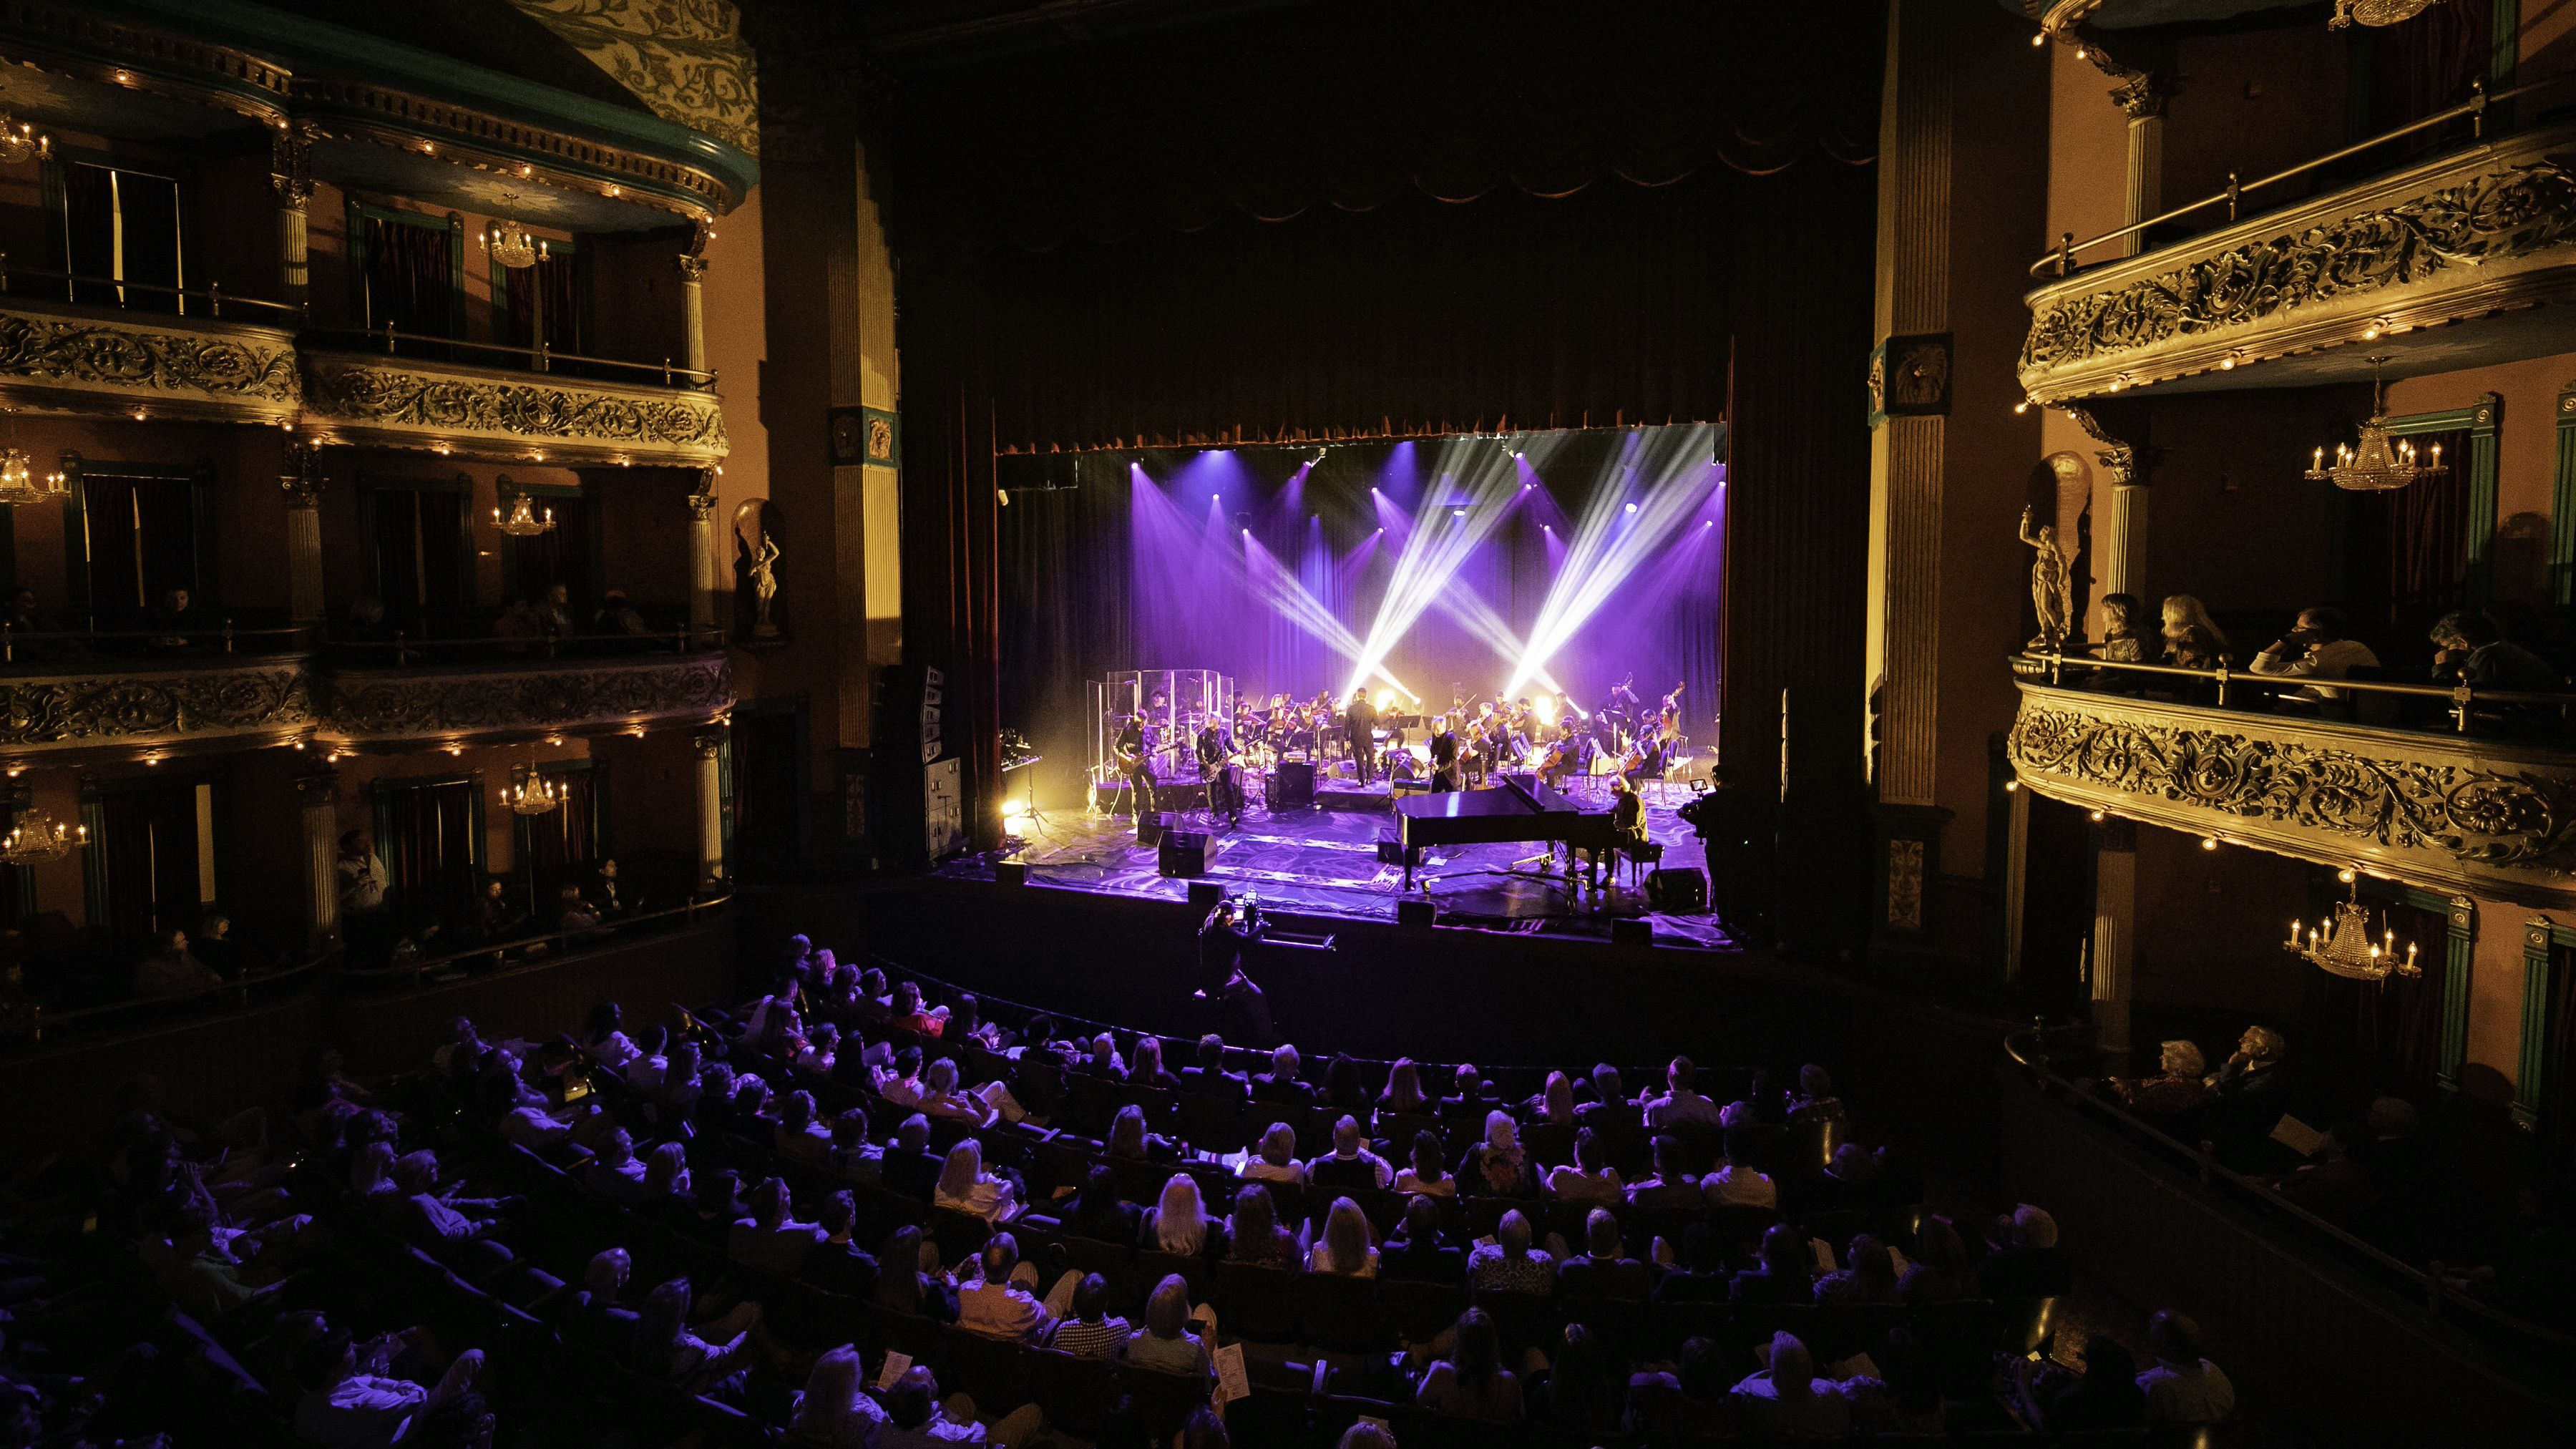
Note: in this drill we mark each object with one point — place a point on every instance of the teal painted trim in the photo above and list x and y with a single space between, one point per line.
2458 958
308 46
2483 420
2562 505
2539 934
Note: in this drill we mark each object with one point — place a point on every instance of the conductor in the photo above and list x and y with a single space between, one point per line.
1360 723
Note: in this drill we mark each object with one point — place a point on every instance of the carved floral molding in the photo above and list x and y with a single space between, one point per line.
406 704
2457 238
125 359
408 403
124 706
2461 813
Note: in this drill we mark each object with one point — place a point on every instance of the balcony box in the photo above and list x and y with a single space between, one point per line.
516 699
146 707
423 402
66 357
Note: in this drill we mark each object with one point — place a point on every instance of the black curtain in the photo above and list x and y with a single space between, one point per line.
148 838
142 536
564 842
429 844
560 555
121 226
411 277
2409 551
558 277
2381 1036
764 791
418 560
2428 64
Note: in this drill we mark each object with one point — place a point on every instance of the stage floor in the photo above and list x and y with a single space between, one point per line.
1323 862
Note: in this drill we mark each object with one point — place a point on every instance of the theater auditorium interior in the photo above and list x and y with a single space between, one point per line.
1299 724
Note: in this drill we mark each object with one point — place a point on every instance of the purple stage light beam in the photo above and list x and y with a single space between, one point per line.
1471 474
1656 484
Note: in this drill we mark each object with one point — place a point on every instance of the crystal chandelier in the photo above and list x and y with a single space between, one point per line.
531 793
509 242
2344 947
19 484
2376 12
2380 463
523 520
40 838
19 141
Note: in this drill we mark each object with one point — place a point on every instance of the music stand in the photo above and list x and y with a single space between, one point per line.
1036 816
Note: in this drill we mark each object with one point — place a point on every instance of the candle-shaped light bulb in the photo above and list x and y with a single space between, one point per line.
2320 459
2294 936
2410 953
2437 455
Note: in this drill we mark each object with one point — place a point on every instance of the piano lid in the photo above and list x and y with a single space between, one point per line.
1520 795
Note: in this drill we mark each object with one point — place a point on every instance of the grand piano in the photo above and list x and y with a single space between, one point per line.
1523 808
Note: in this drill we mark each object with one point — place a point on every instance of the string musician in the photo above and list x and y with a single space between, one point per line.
1131 752
1217 771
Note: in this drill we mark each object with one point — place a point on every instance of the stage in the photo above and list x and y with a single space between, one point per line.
1321 862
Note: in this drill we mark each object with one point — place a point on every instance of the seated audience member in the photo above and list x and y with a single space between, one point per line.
2315 648
666 1348
1554 1104
1096 1210
798 1137
444 1225
1680 1106
2335 1187
2105 1398
171 970
1417 1252
1577 1396
964 1186
941 1098
835 1411
1939 1272
770 1239
596 1315
1468 1091
1350 1164
1404 1095
916 1418
851 1156
1509 1264
1609 1106
1687 1401
1104 1061
901 1083
603 1036
1499 1165
996 1304
1275 1160
1210 1078
1344 1247
348 1401
1281 1084
1603 1269
1788 1401
1815 1101
1129 1141
1090 1330
1672 1187
716 1206
2474 652
2249 1084
1848 1184
1179 1223
1735 1183
1867 1277
905 1286
836 1263
2025 1262
1787 1271
614 1173
2182 1387
2174 1092
909 1168
1165 1344
1253 1234
1425 1174
1148 1070
2192 639
1701 1275
908 1014
1343 1089
1471 1383
1589 1178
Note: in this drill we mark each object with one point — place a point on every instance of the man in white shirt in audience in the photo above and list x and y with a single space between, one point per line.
1680 1106
997 1305
2315 649
2183 1387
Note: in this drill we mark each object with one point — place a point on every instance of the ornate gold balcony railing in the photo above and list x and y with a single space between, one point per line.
2308 291
519 696
405 400
2490 814
145 707
59 355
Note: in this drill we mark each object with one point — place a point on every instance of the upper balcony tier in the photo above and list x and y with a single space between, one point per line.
58 356
2445 264
2489 810
499 690
147 694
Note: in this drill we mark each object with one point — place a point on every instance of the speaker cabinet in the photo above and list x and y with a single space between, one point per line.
1682 892
1632 933
1413 911
1206 893
1011 872
1183 853
1292 785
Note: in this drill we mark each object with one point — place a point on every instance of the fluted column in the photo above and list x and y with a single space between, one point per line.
2115 932
2016 881
318 792
693 312
301 480
2143 99
2123 542
705 578
291 176
705 743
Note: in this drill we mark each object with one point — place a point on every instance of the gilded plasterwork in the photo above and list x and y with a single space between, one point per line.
114 708
440 702
2315 790
683 58
408 397
2503 214
129 357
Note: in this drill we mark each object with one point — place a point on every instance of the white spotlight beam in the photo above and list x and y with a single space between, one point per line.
1439 543
1276 586
1610 543
1470 609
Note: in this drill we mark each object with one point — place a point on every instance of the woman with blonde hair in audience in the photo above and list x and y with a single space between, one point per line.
2193 640
666 1174
1499 1164
1147 1069
966 1187
835 1412
1344 1248
1165 1344
1179 1222
1275 1160
1403 1089
1129 1141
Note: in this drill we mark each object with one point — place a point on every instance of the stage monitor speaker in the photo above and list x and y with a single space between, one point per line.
1183 853
1206 893
1679 892
1149 828
1292 785
1632 932
1413 911
1011 872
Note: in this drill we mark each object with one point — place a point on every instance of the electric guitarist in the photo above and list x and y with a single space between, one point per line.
1129 751
1217 760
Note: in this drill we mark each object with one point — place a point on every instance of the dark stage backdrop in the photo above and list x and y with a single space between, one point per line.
1348 220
